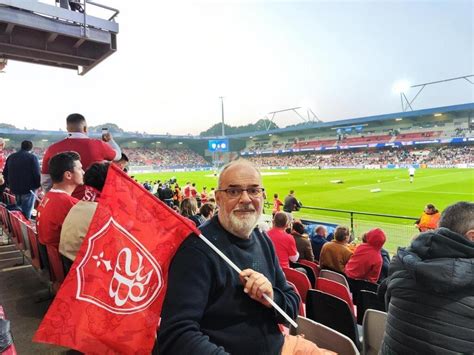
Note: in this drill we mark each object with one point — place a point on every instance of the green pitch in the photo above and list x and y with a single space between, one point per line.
397 196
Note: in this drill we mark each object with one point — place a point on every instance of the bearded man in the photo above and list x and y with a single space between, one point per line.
209 308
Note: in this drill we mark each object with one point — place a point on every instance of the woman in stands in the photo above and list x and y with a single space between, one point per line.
303 244
189 209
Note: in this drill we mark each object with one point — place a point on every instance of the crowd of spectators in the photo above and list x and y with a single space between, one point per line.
160 158
164 157
420 277
436 155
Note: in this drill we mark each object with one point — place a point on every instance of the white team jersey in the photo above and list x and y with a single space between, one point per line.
411 171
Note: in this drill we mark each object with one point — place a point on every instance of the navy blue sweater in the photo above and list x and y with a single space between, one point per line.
22 172
206 310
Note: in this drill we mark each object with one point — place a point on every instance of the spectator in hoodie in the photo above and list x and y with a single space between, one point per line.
318 240
303 244
366 262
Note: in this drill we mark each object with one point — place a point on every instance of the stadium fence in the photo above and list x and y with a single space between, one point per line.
400 230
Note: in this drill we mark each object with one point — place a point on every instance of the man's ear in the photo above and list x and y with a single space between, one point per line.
470 235
67 175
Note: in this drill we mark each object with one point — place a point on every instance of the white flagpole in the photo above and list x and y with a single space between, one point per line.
236 268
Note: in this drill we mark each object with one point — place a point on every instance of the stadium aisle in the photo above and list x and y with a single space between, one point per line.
19 287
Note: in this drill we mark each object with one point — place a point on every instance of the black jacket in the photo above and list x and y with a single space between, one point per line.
22 172
430 296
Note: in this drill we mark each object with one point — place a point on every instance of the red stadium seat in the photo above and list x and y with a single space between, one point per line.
313 265
336 289
301 308
300 280
16 217
56 267
34 251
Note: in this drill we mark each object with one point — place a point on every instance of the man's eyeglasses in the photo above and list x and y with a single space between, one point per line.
234 192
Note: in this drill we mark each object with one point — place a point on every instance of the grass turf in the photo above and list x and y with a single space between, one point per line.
397 196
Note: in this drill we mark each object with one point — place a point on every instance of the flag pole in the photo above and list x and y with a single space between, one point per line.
236 268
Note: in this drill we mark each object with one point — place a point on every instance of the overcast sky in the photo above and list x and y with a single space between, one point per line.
176 58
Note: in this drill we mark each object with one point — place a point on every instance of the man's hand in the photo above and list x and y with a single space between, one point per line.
256 285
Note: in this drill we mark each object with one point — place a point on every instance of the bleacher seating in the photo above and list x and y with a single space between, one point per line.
314 144
367 139
418 136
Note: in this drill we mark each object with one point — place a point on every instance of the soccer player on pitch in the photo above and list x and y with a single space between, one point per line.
411 172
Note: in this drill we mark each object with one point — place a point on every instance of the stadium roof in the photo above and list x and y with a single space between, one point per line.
454 109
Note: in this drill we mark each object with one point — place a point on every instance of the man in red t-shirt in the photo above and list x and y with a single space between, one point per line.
66 173
90 150
187 190
284 243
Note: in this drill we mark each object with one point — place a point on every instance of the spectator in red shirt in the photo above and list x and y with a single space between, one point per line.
284 243
276 204
187 190
90 150
66 173
366 262
204 195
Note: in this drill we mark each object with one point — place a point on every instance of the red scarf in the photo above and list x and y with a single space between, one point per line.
91 194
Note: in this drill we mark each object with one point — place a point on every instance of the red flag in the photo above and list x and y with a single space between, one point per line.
111 299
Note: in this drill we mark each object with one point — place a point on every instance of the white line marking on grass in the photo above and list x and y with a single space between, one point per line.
416 191
401 180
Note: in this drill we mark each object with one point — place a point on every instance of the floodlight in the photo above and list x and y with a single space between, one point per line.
401 87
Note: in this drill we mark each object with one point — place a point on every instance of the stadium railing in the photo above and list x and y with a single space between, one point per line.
400 230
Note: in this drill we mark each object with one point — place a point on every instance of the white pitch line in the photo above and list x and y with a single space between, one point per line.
400 180
417 191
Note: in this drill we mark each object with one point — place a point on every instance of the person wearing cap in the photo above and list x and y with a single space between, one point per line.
366 262
429 219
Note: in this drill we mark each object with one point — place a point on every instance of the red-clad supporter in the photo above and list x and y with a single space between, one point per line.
66 173
90 150
277 204
204 195
187 190
78 219
193 190
366 262
284 243
3 154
